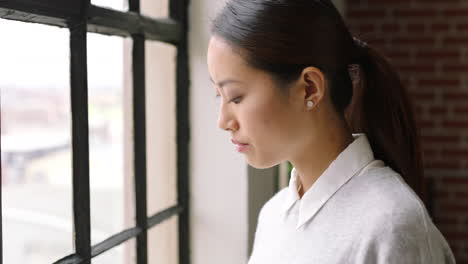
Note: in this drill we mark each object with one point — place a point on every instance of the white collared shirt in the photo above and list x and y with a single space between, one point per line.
358 211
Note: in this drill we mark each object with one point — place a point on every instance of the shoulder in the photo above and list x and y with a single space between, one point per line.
383 192
273 204
394 218
379 199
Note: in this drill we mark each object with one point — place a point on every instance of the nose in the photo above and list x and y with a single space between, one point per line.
226 120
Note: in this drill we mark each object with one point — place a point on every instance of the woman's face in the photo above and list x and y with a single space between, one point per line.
252 108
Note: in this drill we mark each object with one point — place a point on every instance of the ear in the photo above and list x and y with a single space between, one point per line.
312 84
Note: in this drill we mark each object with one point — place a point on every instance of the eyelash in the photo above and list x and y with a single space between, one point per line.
233 100
237 98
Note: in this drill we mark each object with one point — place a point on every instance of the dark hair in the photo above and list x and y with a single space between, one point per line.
282 37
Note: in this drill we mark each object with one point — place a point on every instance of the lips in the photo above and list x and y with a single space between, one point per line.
241 147
238 143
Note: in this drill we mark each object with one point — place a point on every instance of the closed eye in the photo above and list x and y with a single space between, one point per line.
236 100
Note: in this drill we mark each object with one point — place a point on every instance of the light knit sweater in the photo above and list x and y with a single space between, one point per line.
359 211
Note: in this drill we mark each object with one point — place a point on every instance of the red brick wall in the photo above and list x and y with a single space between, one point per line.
427 42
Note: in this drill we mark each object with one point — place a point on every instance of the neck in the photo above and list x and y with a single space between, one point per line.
315 157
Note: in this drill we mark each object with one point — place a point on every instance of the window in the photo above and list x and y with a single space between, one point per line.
76 141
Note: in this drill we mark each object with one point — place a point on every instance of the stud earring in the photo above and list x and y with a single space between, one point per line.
310 104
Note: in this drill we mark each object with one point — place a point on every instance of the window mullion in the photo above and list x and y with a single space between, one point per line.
139 124
47 10
80 139
139 130
178 11
113 22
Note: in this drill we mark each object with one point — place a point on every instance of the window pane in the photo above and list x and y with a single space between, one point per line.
121 5
121 254
163 242
155 8
35 143
161 126
106 128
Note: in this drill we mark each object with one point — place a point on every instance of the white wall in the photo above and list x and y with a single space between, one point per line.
218 172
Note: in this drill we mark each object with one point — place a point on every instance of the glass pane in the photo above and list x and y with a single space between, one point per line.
121 5
163 242
155 8
106 134
121 254
35 143
161 124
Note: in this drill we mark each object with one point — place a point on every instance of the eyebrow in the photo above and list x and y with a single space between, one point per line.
224 82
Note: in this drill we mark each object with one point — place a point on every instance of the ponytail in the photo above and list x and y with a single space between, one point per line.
382 109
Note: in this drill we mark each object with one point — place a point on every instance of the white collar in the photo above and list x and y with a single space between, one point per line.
348 163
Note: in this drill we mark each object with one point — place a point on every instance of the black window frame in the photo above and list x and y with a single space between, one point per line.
81 17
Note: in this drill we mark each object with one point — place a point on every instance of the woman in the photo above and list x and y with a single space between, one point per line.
296 86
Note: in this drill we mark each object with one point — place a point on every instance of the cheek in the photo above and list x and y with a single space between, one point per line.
268 133
266 121
258 116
